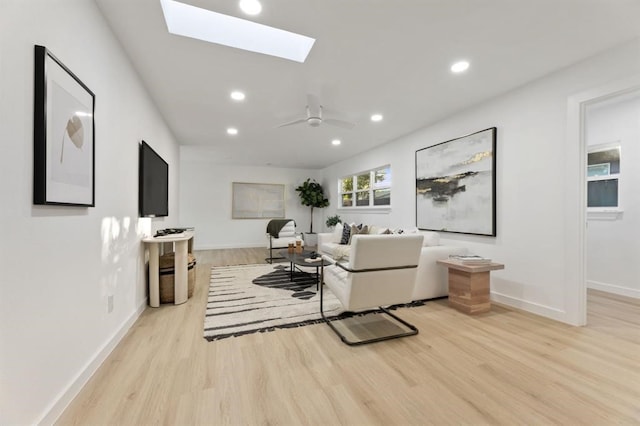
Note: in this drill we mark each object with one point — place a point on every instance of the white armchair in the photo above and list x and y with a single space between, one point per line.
381 271
280 232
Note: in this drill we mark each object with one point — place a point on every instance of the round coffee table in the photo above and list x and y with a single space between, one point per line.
299 259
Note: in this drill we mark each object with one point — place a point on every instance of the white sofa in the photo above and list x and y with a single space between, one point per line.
431 278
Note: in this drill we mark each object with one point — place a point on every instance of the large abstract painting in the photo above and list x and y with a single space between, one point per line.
456 185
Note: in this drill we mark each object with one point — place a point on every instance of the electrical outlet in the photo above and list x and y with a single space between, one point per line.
110 303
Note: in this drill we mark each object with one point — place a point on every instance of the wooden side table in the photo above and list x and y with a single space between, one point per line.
183 246
469 285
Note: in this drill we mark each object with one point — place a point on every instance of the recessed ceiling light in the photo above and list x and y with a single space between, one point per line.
460 66
201 24
336 142
250 7
232 131
376 117
237 95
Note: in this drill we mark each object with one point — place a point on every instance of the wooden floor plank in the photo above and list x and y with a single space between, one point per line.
503 367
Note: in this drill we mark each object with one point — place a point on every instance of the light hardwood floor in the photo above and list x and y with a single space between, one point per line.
503 367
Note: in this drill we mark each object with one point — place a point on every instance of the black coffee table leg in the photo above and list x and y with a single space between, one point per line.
291 271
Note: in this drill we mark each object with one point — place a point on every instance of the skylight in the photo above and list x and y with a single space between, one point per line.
194 22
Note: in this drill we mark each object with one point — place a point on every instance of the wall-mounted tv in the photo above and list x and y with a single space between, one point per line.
153 185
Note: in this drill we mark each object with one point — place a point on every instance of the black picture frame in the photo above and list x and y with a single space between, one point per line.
63 135
456 185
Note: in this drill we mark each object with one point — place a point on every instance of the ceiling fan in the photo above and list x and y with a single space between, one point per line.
314 116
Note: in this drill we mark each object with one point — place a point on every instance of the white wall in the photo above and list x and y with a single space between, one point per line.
613 246
60 264
532 186
205 199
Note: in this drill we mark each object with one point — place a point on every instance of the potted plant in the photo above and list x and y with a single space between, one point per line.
333 221
312 195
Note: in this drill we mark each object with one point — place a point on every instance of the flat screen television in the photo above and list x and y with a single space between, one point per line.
153 185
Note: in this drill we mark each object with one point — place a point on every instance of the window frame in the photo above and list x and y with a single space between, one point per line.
370 190
594 212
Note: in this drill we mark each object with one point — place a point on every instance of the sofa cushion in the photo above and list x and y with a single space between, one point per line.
335 250
341 252
431 239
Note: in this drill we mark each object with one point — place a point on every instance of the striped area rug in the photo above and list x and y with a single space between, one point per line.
256 298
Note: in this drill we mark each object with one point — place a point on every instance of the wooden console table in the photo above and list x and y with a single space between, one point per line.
182 246
469 285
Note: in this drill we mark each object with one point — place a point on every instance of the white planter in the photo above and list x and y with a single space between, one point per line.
310 239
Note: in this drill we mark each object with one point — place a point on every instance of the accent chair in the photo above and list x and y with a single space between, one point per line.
380 272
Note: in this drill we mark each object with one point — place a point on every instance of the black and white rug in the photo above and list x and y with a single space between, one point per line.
250 298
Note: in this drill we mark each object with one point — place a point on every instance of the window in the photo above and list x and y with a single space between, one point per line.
603 177
367 189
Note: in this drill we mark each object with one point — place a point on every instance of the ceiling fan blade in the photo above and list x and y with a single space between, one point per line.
339 123
291 123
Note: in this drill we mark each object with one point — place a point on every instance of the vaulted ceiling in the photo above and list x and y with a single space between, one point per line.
370 56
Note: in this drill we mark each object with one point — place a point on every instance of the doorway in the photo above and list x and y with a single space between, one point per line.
576 200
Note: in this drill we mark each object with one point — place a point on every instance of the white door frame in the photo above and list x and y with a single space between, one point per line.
575 195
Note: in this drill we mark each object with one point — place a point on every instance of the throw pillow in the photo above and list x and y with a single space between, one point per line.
336 236
355 230
375 230
346 233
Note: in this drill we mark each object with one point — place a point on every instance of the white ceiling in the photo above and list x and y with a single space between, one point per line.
388 56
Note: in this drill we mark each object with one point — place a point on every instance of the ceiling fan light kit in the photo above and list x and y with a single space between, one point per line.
314 121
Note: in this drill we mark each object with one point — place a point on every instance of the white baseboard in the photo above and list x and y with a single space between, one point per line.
615 289
534 308
53 412
227 246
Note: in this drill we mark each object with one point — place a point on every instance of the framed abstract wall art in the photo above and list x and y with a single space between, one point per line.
257 201
456 185
63 135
